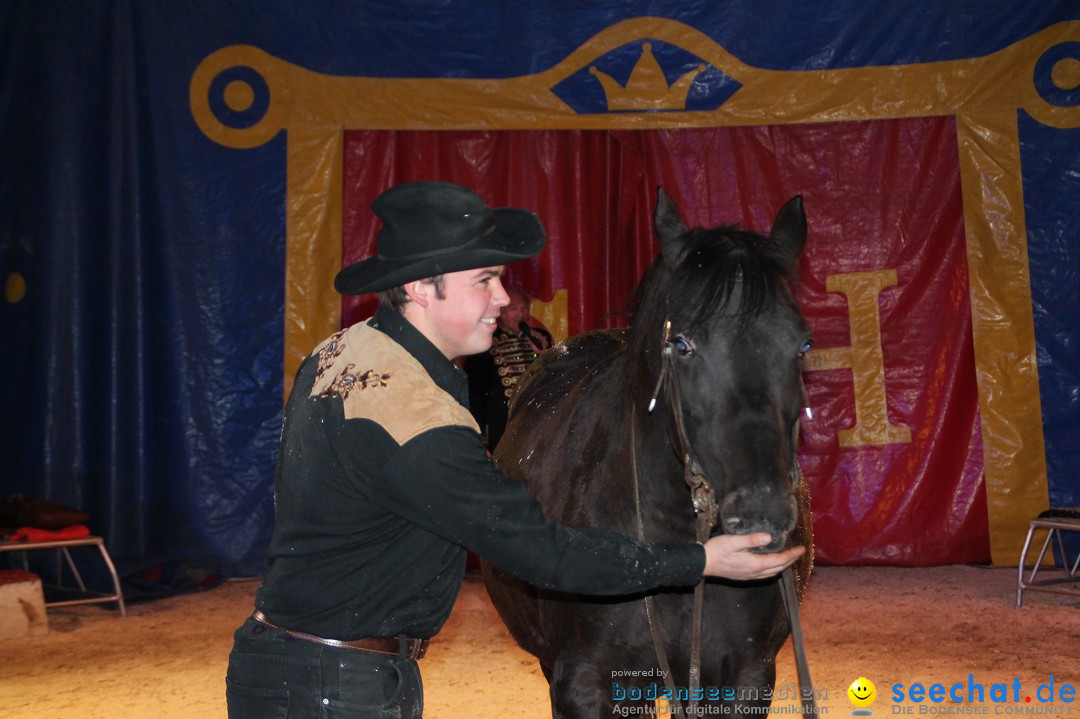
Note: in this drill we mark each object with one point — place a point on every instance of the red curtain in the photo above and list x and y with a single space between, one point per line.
881 197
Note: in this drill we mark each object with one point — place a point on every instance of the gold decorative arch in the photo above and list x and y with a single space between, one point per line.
984 93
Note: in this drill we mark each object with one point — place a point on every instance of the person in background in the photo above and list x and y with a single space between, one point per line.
383 482
493 375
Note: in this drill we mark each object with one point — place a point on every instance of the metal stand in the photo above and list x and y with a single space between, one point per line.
1055 521
79 594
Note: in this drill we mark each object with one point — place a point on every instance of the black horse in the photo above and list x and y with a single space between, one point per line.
583 440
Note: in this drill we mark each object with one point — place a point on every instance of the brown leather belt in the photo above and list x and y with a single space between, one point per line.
415 648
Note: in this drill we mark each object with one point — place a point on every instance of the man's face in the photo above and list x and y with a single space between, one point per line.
516 312
463 321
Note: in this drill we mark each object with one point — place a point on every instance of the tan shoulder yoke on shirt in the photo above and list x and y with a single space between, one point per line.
378 379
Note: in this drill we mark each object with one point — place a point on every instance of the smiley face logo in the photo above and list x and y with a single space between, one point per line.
862 694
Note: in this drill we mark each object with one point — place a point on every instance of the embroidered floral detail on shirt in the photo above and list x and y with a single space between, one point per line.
399 384
348 380
333 347
371 378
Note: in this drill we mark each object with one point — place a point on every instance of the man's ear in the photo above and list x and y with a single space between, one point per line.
420 292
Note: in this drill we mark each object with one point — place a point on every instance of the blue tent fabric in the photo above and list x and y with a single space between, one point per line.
144 358
147 350
1051 165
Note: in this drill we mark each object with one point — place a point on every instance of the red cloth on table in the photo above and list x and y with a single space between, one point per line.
33 534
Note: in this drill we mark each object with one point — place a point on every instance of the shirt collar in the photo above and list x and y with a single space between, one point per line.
445 373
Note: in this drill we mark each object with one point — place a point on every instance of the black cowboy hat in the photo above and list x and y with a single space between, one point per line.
430 228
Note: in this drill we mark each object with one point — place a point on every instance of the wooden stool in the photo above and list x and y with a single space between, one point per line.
1055 521
22 605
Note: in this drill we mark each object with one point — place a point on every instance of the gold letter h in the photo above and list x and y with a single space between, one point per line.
864 358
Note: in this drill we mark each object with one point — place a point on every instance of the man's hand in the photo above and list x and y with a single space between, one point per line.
726 556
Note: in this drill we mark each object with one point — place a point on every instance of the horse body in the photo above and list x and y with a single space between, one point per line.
580 433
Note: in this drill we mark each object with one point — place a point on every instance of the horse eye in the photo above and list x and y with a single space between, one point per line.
807 346
684 346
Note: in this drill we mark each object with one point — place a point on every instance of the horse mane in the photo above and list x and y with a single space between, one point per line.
716 270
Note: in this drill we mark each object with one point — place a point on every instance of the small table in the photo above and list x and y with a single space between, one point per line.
71 595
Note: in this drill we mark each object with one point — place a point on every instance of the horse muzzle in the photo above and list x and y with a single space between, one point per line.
760 508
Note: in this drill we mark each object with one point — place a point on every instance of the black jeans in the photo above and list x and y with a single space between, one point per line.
275 676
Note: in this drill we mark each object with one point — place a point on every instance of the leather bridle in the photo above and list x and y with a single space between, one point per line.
706 514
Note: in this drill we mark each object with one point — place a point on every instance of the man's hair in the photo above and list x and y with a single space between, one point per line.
397 298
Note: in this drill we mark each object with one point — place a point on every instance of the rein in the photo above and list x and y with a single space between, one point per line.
706 513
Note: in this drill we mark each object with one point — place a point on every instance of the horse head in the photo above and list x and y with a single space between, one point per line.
731 355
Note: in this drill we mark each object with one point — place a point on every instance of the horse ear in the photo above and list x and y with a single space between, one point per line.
789 227
668 222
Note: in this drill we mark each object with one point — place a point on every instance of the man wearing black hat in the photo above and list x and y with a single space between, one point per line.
383 481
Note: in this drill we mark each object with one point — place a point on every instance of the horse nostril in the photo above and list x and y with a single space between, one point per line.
731 524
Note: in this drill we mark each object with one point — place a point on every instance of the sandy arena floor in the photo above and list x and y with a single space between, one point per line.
167 658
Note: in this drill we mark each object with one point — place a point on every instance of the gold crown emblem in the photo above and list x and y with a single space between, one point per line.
647 88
